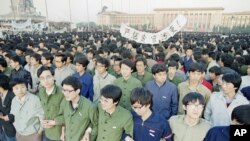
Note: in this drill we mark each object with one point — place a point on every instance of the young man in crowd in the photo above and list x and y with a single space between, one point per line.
4 67
102 77
76 112
116 69
51 97
193 84
85 77
214 75
127 83
240 116
35 61
19 72
61 71
172 73
141 73
148 125
114 123
26 112
190 126
165 97
47 60
7 130
221 104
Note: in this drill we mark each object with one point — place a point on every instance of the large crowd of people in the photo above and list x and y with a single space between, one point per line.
99 86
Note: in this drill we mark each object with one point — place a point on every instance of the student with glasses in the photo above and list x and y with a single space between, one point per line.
51 97
76 112
190 126
148 125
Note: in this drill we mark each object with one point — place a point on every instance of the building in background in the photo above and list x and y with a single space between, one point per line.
204 19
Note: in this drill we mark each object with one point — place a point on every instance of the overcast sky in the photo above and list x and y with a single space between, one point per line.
58 10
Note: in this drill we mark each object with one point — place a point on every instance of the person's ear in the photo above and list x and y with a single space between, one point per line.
78 91
184 107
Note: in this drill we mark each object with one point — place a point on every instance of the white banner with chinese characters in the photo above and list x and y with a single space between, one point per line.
153 38
21 25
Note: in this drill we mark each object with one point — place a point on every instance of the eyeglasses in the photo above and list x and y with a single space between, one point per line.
67 91
49 77
193 106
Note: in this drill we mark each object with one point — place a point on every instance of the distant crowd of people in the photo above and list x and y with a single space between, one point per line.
99 86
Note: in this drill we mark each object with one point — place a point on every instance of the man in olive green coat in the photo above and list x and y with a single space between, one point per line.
51 97
76 112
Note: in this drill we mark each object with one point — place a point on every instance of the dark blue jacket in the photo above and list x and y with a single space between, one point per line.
218 133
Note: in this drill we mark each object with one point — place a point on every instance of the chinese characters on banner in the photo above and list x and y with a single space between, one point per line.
154 38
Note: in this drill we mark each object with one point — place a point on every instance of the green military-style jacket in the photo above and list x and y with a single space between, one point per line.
127 86
143 78
51 104
112 126
77 120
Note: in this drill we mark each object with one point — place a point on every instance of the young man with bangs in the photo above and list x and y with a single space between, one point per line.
190 126
221 104
165 97
51 97
193 84
102 77
148 125
76 112
127 82
114 123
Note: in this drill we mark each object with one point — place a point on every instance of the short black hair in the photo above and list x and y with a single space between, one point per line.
227 59
37 57
128 63
62 55
83 61
16 59
216 70
48 56
45 68
3 62
112 92
193 97
4 83
233 78
212 55
142 96
18 81
158 68
173 64
142 60
103 61
241 114
196 67
72 81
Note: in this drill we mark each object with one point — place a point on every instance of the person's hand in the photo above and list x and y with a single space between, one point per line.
85 137
40 132
5 118
128 138
48 123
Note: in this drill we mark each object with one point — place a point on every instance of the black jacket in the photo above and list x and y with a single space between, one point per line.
5 106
